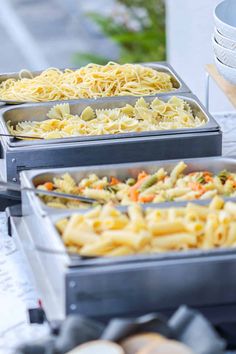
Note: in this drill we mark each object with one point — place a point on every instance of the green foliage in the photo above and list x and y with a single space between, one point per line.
85 58
139 34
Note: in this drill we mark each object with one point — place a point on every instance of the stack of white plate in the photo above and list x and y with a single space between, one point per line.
224 39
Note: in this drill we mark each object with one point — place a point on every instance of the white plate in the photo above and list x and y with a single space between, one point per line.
225 18
226 56
224 41
226 71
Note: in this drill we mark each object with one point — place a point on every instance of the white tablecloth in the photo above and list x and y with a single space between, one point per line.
17 292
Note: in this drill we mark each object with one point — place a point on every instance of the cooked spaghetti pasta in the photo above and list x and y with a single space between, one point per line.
158 115
90 81
106 231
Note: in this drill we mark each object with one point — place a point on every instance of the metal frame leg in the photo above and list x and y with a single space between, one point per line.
207 91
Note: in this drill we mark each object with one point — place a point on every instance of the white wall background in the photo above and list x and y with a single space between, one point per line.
189 29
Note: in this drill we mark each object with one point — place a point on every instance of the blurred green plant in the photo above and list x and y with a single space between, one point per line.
138 28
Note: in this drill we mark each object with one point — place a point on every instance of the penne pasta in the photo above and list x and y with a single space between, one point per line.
230 208
231 237
174 241
195 227
210 228
120 251
216 203
165 227
128 238
106 231
220 235
98 248
200 210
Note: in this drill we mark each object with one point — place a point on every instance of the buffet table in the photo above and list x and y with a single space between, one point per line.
16 283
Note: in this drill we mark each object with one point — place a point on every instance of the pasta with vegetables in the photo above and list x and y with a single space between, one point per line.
143 187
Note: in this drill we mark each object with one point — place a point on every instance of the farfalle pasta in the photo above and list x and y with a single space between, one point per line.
143 116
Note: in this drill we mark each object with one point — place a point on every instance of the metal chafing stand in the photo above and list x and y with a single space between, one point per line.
124 286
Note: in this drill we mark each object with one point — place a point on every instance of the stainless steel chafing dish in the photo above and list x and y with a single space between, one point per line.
32 204
124 286
38 113
205 140
179 85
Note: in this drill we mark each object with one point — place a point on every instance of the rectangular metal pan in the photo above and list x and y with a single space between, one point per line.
48 240
110 151
178 84
38 113
32 203
125 286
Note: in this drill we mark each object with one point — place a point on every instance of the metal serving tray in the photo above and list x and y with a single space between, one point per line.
124 286
37 113
179 85
133 147
32 204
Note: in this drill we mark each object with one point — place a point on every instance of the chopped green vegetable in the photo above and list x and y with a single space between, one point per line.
223 175
130 181
201 179
112 189
148 183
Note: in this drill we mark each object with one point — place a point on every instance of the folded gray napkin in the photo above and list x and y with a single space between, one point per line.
186 325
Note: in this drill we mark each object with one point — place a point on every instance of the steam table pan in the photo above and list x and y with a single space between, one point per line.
124 286
128 285
32 205
179 85
203 141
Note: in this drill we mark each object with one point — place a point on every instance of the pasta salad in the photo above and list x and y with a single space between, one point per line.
157 187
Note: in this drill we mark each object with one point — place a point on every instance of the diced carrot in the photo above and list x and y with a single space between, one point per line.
133 193
139 183
114 181
146 198
163 178
99 186
197 187
49 186
207 173
208 178
142 174
198 195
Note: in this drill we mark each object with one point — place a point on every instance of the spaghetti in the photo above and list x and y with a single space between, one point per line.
90 81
